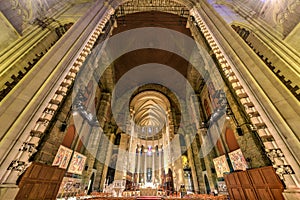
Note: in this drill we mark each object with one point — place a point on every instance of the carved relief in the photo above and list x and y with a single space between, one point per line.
29 10
28 147
273 154
284 170
19 166
280 14
277 158
279 10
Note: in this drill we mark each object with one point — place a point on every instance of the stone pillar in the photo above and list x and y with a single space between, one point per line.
131 149
121 166
160 167
166 152
104 109
139 164
209 157
145 164
198 165
91 153
192 164
101 142
142 163
108 155
153 166
177 163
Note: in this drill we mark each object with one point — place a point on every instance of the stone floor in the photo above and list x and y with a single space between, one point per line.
194 197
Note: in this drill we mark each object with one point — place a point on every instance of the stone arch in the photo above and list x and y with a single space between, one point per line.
171 97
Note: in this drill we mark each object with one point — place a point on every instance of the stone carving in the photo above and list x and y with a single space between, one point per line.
279 14
277 158
19 166
278 10
36 134
284 170
28 147
29 9
273 154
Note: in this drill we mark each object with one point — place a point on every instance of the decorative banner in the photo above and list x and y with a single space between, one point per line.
62 157
238 160
221 166
69 185
222 188
77 163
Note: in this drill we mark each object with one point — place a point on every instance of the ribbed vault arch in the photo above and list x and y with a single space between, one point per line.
150 110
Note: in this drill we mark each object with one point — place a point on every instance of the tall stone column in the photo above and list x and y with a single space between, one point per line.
153 166
145 164
91 153
212 177
177 163
108 155
102 144
198 162
121 166
139 164
165 153
192 164
160 167
162 161
131 149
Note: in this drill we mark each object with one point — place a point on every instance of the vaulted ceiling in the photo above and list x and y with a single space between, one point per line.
150 110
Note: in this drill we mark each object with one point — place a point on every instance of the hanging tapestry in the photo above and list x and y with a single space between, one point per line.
62 157
77 163
238 160
221 166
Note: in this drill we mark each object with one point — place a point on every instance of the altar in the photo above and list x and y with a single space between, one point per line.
148 192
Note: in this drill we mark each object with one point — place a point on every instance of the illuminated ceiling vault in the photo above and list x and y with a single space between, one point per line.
150 110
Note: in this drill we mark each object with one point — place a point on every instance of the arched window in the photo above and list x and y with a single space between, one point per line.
118 139
207 108
231 140
69 137
220 148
